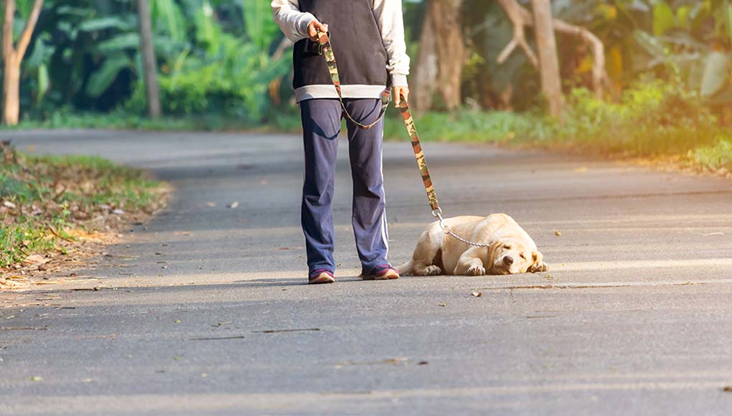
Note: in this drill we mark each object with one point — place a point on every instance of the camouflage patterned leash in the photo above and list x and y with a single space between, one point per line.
422 163
327 50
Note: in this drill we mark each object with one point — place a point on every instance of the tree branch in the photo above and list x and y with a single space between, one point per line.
599 74
8 28
30 26
521 18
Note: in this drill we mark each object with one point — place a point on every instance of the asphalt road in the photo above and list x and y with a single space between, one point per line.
205 310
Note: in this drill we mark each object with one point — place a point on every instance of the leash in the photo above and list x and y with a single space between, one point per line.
324 44
424 171
327 50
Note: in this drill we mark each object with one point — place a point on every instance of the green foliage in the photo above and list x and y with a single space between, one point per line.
684 40
26 236
470 126
101 80
717 156
654 117
727 13
663 18
218 72
258 24
651 118
214 57
692 43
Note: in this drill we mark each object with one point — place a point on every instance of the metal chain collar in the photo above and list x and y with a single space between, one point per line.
446 229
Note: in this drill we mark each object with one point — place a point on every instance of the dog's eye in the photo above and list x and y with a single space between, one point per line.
507 247
522 256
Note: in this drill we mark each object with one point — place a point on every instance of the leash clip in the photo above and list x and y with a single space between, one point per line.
437 212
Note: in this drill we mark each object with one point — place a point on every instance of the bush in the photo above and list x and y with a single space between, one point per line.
230 78
715 157
652 118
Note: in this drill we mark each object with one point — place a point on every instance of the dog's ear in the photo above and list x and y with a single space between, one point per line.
538 264
492 252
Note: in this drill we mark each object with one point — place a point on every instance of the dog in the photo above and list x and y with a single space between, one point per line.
511 250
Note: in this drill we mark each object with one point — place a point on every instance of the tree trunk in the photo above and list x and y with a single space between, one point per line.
548 60
446 20
12 58
150 67
11 90
424 76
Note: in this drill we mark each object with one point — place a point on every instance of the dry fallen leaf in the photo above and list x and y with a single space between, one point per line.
35 259
557 233
234 204
36 378
210 204
477 294
442 304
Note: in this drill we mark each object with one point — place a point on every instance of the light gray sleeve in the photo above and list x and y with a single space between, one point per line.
389 17
292 22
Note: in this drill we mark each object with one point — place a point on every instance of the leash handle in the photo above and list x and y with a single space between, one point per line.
327 49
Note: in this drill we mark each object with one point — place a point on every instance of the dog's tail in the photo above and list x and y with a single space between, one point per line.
406 268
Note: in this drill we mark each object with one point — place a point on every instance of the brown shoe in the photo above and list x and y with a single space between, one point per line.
320 276
384 272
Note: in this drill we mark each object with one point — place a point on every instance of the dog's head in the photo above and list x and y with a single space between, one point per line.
513 257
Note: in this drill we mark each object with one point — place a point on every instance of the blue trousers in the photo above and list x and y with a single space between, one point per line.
321 122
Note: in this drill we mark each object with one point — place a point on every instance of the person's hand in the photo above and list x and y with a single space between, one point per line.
398 93
314 27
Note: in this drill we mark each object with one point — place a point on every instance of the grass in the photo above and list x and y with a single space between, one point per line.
44 199
116 120
716 157
468 126
125 121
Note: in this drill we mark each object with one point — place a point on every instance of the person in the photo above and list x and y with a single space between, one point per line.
367 37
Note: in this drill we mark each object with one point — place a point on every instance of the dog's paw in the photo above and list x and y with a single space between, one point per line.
432 270
476 271
537 268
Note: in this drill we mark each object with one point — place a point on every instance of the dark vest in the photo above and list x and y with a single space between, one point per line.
356 42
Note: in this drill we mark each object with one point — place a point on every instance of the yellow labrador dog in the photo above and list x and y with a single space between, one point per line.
511 250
